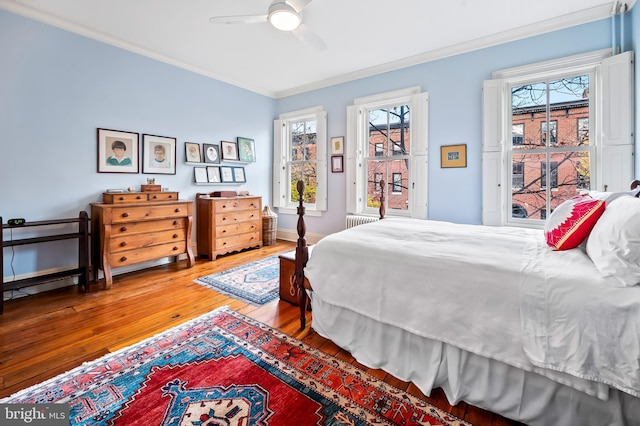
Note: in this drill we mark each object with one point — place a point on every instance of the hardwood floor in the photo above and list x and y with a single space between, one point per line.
49 333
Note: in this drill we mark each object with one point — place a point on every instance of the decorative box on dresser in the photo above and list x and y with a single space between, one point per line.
227 224
129 228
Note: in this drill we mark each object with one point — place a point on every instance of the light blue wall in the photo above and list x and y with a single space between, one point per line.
57 88
454 85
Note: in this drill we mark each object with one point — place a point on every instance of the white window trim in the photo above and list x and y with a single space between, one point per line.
357 142
281 150
611 131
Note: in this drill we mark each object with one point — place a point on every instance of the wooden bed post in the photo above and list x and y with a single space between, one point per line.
381 210
302 255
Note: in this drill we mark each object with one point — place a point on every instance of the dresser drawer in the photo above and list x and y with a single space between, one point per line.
132 242
115 198
236 228
148 212
249 239
141 227
142 255
163 196
236 204
237 217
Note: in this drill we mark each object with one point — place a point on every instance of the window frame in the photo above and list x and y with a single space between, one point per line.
282 161
611 126
357 145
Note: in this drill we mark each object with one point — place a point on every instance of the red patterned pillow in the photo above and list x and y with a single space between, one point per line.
572 221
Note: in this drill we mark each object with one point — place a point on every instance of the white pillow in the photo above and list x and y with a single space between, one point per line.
614 242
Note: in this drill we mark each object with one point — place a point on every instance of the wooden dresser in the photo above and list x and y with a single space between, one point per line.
136 227
229 224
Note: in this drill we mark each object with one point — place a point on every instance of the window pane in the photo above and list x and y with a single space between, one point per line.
569 100
303 140
528 199
398 191
389 131
517 134
306 172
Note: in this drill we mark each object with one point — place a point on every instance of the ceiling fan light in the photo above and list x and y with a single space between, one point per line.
284 17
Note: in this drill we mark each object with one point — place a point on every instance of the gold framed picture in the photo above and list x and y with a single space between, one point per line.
453 156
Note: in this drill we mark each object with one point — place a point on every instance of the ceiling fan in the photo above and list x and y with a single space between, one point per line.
284 15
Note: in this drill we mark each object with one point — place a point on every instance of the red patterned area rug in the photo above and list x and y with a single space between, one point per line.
227 369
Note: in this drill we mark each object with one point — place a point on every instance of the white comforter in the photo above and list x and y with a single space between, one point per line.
460 284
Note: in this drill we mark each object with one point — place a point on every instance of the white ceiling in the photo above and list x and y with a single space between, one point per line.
363 37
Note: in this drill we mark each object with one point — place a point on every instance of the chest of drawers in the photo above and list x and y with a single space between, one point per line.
129 230
225 225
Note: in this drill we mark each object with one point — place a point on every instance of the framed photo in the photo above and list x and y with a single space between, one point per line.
337 145
453 156
213 174
337 164
118 151
159 155
200 174
229 150
226 174
238 174
192 152
246 150
211 153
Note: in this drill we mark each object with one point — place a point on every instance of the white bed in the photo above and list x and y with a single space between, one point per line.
490 314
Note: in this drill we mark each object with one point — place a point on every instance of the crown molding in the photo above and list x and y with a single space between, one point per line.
542 27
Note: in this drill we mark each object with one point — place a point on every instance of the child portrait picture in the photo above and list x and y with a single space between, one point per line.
117 151
159 154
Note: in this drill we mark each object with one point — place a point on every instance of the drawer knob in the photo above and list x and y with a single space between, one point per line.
138 197
170 196
123 259
175 235
178 210
122 244
175 248
224 231
121 198
125 214
224 218
123 229
175 222
155 197
224 244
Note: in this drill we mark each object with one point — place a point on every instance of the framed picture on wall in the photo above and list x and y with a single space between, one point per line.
229 150
246 150
211 153
337 165
226 174
200 174
238 174
453 156
192 152
337 145
213 174
117 151
159 155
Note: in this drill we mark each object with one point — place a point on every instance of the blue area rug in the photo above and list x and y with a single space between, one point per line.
256 282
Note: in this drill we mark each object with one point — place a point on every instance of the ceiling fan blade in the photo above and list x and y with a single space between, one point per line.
307 36
298 5
240 19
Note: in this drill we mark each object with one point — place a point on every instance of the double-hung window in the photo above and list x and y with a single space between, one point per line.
554 130
300 153
387 140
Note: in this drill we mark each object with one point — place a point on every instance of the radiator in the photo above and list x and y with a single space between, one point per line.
355 220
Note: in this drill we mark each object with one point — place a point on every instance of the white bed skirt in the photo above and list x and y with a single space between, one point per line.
516 394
